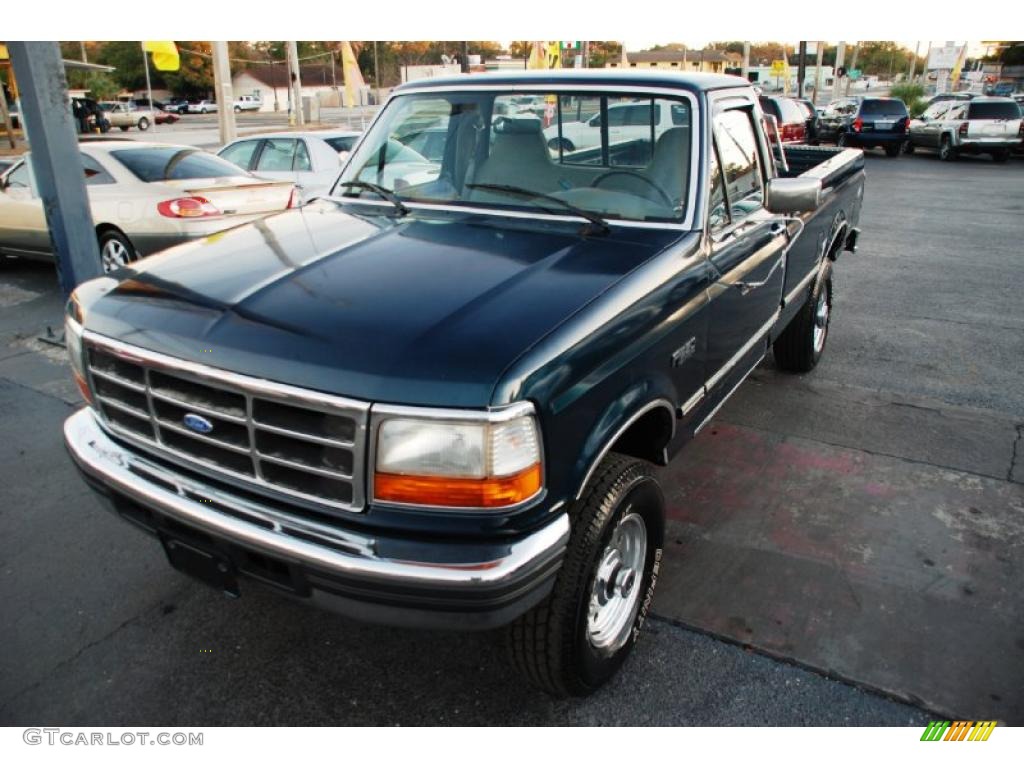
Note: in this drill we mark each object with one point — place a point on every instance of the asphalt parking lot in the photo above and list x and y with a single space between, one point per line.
816 589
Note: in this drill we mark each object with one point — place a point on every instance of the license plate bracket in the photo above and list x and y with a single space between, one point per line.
209 567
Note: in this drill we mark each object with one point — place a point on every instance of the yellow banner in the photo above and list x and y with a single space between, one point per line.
165 54
350 71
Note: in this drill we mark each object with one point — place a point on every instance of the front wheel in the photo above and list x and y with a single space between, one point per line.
908 147
577 638
124 127
801 344
202 111
564 144
237 110
842 141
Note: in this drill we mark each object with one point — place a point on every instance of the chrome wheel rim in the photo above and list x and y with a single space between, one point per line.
821 321
113 255
615 596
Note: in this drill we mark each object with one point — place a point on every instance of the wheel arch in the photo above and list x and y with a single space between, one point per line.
637 424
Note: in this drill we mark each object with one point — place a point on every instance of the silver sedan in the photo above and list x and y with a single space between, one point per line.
144 197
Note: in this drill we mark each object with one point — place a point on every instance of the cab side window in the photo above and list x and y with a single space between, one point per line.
718 214
739 156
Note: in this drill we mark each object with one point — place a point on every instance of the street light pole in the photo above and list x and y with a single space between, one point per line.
840 57
801 69
224 92
746 60
817 71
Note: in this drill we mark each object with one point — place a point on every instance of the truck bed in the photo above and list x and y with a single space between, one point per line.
830 164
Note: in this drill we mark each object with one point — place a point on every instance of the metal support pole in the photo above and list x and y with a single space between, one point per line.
840 57
224 93
801 69
913 62
746 59
149 86
298 117
56 161
465 56
817 71
853 65
376 72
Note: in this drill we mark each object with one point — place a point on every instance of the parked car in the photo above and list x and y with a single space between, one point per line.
177 106
162 116
439 405
128 114
792 119
248 104
202 107
866 122
310 159
626 122
950 96
812 125
144 197
986 125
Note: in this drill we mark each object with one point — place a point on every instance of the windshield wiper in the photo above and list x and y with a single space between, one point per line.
384 192
600 225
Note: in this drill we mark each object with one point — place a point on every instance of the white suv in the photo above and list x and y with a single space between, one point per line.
984 125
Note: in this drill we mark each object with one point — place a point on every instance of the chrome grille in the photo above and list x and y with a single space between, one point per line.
292 441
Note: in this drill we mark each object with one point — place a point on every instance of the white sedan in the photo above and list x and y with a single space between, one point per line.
310 159
144 197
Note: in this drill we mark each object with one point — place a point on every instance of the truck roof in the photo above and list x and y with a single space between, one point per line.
615 78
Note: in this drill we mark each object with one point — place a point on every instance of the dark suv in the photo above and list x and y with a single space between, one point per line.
866 123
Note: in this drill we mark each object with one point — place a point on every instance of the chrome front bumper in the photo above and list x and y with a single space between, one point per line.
473 585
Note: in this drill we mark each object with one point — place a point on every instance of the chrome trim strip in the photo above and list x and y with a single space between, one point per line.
660 402
165 424
696 140
799 287
126 383
725 399
690 404
732 361
122 407
123 471
260 426
381 412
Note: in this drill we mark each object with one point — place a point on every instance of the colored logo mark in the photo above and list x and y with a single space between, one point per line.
197 423
958 730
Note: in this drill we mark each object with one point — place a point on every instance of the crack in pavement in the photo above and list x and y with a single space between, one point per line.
1016 453
92 644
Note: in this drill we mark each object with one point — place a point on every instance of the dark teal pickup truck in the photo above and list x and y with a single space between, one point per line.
434 397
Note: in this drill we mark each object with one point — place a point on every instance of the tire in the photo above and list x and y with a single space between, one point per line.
566 145
801 345
237 110
946 150
558 646
143 123
116 250
124 127
892 150
841 140
1001 156
908 147
202 111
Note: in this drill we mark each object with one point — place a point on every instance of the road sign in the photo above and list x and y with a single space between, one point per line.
779 67
854 74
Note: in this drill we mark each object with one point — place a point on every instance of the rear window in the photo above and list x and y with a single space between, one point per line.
999 110
173 163
791 113
883 107
341 143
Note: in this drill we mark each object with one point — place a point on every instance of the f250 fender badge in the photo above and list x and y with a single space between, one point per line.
197 423
684 353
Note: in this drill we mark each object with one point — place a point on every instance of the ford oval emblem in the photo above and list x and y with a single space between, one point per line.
197 423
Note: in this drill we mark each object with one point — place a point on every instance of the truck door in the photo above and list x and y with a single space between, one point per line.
23 229
747 245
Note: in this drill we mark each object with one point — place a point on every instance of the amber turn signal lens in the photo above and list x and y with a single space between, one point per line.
456 491
82 386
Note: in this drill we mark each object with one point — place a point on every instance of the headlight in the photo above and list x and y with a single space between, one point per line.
73 321
459 460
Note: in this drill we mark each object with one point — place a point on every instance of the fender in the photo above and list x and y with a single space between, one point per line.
618 417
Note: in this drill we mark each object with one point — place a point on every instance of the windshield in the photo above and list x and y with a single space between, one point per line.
621 156
171 163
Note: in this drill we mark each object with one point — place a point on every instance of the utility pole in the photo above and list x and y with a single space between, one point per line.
853 65
746 60
297 116
334 83
149 86
56 160
376 72
801 69
224 93
465 56
5 116
840 57
817 71
85 59
913 62
273 79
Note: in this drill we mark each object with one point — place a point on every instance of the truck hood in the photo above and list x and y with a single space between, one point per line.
426 311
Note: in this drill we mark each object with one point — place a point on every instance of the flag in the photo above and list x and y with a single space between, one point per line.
165 54
961 59
350 71
538 57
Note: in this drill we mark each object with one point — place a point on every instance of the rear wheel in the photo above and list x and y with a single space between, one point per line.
908 147
143 123
116 250
1001 156
237 109
892 150
842 141
946 151
124 127
801 344
578 637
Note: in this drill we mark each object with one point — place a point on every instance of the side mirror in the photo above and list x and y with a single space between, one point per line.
796 195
